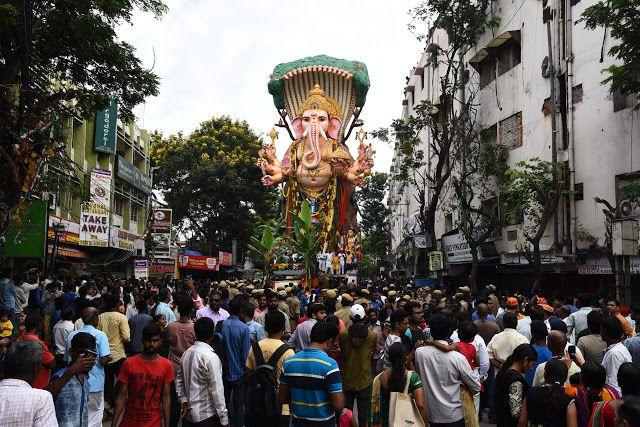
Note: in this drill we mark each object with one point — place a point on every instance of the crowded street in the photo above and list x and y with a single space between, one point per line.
340 214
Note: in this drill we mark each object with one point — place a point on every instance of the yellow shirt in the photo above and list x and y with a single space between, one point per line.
268 347
6 328
116 326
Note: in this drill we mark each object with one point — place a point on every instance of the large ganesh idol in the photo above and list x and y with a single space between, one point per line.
319 100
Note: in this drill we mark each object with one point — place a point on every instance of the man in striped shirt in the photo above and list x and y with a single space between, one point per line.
199 380
311 381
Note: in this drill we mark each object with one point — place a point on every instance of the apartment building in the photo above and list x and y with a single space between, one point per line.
511 71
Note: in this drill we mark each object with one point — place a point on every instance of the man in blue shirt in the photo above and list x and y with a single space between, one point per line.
70 385
256 330
164 296
95 405
311 382
236 338
8 296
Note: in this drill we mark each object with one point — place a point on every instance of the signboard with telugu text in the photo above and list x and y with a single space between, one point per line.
141 268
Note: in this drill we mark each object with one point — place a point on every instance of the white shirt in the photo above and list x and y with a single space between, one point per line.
502 344
199 383
442 374
614 356
483 355
576 323
61 331
538 377
21 405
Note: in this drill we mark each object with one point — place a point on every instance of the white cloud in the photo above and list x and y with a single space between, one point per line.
214 57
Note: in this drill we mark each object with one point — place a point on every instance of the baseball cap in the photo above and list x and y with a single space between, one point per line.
357 312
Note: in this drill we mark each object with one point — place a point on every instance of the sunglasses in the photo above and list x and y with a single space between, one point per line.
215 300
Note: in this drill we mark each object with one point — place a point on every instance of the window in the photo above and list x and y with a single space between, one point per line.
578 192
508 54
490 135
487 71
622 102
133 214
510 131
448 223
118 205
509 215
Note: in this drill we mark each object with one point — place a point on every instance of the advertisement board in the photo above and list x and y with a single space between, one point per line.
162 267
225 258
456 249
68 231
134 176
161 222
104 140
196 262
94 215
435 261
122 239
141 268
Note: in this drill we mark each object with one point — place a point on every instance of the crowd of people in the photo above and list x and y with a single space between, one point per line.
235 352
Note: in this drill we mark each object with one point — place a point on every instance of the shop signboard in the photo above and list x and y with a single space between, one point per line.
196 262
122 239
226 258
161 222
106 122
141 268
94 215
435 261
128 172
68 231
162 267
456 249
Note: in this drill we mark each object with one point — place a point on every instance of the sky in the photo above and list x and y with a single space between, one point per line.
214 58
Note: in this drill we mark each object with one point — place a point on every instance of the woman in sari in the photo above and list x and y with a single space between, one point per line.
604 412
511 387
592 389
394 379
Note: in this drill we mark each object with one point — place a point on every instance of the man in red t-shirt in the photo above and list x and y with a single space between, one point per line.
33 324
145 385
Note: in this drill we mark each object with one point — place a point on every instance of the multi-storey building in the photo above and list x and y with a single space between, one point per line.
119 154
512 68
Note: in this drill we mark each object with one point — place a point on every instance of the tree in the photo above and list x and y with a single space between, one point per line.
477 185
426 167
304 240
533 193
620 18
58 59
210 181
264 248
374 221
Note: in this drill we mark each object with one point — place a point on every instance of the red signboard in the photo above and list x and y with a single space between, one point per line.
226 258
196 262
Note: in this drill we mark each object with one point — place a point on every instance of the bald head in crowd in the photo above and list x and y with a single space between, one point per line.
557 341
483 310
90 316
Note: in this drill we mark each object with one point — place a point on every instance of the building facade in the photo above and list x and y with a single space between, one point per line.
102 229
596 138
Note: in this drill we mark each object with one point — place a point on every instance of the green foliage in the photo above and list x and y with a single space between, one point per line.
210 181
304 240
60 58
630 189
374 221
265 246
620 17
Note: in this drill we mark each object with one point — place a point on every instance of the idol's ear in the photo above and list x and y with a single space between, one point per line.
334 127
296 126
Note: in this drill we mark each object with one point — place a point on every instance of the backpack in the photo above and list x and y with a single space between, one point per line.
261 392
219 348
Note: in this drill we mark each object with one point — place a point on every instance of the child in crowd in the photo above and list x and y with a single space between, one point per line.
6 327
